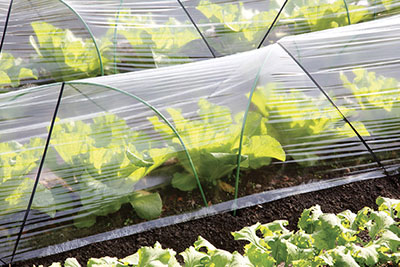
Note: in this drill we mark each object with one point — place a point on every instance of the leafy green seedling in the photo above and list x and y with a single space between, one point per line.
154 44
303 121
12 71
233 23
326 239
372 91
322 239
212 140
63 56
102 162
17 164
319 15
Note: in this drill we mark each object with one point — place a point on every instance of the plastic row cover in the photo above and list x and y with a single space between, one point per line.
136 146
358 68
47 41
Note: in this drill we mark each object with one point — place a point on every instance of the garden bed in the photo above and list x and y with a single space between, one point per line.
256 187
105 164
217 228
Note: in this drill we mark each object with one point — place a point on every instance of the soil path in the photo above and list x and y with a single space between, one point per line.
216 229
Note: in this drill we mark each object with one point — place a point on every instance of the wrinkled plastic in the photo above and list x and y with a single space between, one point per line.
3 14
298 16
358 69
24 120
135 147
49 41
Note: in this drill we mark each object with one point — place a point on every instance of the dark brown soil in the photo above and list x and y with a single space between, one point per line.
174 201
217 228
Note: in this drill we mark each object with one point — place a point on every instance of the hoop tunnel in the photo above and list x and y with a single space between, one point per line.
90 33
165 120
34 220
119 36
22 148
141 147
282 96
340 75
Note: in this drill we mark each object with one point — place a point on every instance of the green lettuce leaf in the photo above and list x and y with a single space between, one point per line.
212 140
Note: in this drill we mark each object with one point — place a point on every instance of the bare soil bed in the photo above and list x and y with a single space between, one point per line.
217 229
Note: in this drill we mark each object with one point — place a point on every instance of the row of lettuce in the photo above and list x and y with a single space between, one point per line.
136 42
365 238
102 160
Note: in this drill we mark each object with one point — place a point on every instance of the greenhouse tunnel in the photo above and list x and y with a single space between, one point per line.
274 95
46 41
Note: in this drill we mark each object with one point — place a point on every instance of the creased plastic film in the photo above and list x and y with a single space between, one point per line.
133 147
358 68
24 121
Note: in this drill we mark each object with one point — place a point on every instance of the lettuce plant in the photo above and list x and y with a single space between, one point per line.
18 163
323 239
378 98
373 91
235 23
63 56
11 71
320 15
154 44
326 239
102 161
302 121
212 140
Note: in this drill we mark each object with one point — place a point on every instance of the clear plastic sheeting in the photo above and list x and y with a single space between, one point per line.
314 134
50 41
3 14
24 122
143 34
233 26
303 16
87 156
141 149
358 69
44 42
101 160
134 147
